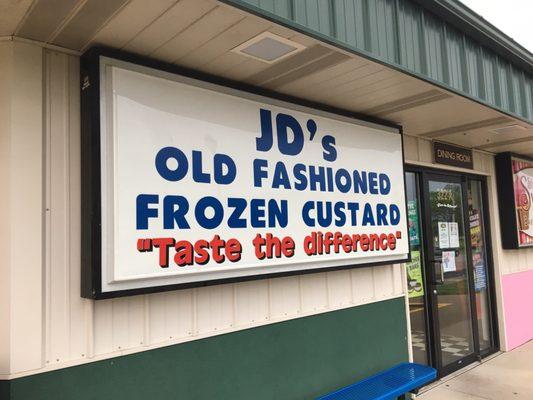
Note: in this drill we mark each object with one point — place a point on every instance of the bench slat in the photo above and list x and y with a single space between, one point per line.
386 385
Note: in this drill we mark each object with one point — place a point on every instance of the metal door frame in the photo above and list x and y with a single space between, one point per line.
422 176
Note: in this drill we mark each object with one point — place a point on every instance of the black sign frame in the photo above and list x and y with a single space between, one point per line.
91 212
506 200
452 155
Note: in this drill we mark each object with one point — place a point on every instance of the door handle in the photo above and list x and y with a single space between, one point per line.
439 273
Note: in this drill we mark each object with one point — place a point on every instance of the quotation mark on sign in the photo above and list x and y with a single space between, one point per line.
144 245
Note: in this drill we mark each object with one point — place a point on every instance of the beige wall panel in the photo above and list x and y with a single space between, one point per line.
396 90
6 56
319 78
57 206
213 23
251 302
79 307
136 322
339 89
425 151
285 297
244 70
336 83
131 20
26 210
378 89
410 148
103 327
363 285
215 308
383 281
237 34
339 288
11 13
397 279
120 323
314 292
157 318
164 28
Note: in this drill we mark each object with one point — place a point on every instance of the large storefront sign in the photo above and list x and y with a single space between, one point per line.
199 183
515 192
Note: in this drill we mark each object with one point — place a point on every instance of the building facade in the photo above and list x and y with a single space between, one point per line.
435 69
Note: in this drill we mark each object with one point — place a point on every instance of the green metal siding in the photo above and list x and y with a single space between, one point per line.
291 360
404 35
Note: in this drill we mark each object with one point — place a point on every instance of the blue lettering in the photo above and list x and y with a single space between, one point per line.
328 144
360 184
368 217
343 181
220 161
277 213
238 205
317 177
199 212
299 176
172 214
257 213
384 183
281 177
161 159
373 180
283 123
143 211
308 206
264 143
260 172
340 216
381 214
197 174
394 214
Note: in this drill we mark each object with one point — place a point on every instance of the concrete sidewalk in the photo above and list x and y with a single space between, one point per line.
508 376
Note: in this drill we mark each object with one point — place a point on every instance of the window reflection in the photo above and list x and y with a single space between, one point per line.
479 262
415 274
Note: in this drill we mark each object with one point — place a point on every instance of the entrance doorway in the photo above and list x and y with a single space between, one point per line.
450 272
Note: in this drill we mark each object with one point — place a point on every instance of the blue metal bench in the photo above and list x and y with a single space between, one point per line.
386 385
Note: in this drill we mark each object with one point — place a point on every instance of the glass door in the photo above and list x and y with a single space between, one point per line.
480 263
449 279
449 271
416 277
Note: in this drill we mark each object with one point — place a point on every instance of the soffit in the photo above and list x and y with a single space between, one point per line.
200 34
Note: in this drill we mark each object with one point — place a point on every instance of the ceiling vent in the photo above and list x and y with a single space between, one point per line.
269 48
509 129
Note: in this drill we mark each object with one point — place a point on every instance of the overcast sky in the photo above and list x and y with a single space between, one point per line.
513 17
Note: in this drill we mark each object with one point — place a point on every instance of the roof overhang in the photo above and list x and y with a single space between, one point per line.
201 35
471 23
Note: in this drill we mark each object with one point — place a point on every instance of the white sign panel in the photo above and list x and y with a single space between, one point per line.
448 261
444 235
454 234
200 182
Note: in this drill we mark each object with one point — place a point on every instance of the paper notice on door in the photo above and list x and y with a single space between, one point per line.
448 261
444 235
453 228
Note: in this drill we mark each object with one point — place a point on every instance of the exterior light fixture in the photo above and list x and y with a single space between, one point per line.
268 47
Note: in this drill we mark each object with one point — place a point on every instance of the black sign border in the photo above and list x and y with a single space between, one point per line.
91 244
453 147
506 200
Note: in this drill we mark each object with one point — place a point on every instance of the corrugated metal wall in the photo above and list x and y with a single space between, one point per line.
80 330
401 33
